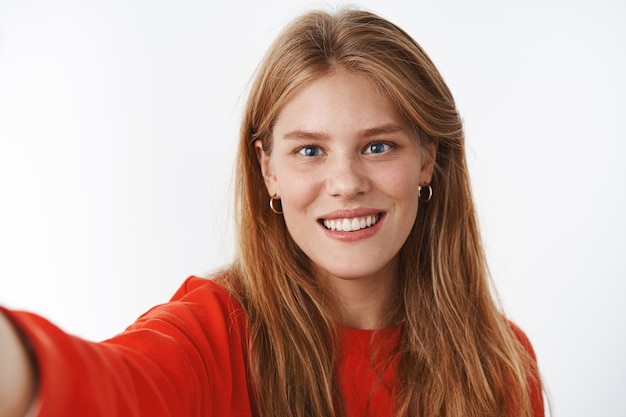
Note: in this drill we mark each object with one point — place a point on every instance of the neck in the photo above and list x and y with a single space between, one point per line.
365 303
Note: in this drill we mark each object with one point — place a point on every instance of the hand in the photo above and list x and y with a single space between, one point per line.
17 372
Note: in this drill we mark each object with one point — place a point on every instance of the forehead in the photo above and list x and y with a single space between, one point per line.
340 100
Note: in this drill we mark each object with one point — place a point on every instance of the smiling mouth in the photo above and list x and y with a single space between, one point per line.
351 224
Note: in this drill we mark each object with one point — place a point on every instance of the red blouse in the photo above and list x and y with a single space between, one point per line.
187 358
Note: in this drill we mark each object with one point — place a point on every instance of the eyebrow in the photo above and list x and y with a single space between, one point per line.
382 130
306 135
374 131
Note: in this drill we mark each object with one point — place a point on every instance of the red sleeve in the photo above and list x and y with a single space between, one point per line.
536 392
183 358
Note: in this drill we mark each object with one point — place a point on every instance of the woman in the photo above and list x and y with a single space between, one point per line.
360 289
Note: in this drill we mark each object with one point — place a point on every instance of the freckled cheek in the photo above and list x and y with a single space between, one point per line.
400 186
403 191
298 190
299 193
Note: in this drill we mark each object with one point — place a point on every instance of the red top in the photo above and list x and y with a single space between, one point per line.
188 358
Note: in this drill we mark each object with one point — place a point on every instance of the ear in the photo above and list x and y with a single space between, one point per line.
264 161
428 163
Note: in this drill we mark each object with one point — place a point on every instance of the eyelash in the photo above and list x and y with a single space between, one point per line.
387 147
305 149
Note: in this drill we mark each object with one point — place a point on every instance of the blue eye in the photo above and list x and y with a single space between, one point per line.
377 147
309 151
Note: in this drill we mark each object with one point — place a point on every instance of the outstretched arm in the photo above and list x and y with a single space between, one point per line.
17 372
186 357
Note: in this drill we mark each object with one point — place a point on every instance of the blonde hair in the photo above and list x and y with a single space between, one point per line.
458 354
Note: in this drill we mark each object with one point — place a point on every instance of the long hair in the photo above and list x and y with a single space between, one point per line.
458 356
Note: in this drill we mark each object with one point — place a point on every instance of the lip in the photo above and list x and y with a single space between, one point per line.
352 236
349 213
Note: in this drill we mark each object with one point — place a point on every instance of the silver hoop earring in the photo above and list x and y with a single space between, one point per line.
272 198
425 198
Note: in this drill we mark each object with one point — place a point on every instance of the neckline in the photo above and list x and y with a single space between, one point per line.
366 341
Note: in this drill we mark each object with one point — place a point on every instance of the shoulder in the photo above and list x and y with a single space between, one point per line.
209 294
533 377
523 339
195 287
202 301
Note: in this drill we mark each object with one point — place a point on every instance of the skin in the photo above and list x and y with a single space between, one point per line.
17 378
341 150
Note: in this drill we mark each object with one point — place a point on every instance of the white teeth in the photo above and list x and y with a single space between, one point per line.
351 225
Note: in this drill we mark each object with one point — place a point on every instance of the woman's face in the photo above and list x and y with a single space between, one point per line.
346 166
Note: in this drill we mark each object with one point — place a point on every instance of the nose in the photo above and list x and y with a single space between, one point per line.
346 177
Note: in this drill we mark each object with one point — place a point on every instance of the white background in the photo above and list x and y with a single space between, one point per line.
118 124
